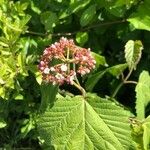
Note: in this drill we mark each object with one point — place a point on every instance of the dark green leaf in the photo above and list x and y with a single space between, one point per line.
48 92
88 15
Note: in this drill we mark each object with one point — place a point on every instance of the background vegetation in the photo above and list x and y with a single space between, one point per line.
27 27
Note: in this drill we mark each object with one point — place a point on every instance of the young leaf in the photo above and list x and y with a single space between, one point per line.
133 52
142 94
80 124
88 15
48 92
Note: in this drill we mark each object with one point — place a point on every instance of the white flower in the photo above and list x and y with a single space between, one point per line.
71 79
63 67
46 71
52 69
84 58
53 46
59 76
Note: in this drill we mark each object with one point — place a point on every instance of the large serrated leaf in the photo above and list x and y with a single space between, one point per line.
133 52
142 94
85 124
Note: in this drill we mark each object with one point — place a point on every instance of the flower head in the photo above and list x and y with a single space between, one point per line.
62 60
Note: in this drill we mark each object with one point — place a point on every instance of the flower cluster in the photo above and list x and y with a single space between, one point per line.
62 60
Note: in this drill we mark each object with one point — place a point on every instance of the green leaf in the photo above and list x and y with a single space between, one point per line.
100 60
82 37
88 15
48 92
49 19
146 133
93 79
133 52
74 6
117 69
141 18
142 94
81 124
2 123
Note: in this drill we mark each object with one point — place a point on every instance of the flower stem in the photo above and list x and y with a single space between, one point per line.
68 65
80 88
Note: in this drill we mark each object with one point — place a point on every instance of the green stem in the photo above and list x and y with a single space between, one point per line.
80 88
117 89
124 82
68 65
76 79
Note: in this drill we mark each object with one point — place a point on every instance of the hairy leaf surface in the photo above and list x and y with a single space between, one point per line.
133 52
81 124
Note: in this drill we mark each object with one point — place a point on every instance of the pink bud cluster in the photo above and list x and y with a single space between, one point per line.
72 59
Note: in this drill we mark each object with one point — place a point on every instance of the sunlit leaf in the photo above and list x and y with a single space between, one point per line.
133 52
141 18
93 123
142 94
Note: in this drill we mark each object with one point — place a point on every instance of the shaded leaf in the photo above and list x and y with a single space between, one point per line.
82 37
88 15
49 19
93 79
48 92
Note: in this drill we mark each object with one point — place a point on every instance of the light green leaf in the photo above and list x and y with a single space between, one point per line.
88 15
142 94
146 133
81 124
141 18
48 92
2 123
49 19
82 37
117 69
133 52
100 60
93 79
